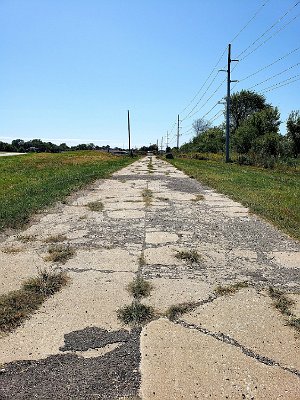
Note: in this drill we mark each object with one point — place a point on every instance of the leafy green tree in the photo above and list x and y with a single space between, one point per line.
262 123
293 131
242 105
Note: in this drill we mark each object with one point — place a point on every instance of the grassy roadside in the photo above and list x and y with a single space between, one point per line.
31 182
273 194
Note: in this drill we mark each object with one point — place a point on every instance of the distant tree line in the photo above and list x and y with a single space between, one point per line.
254 132
38 146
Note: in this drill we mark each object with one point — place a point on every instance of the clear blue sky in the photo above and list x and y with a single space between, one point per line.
70 69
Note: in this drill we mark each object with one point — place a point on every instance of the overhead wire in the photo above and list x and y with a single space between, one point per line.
282 83
269 29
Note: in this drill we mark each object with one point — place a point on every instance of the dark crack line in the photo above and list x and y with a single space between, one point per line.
103 271
230 341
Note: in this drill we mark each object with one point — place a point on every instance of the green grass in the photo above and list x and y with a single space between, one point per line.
177 310
95 205
18 305
135 314
230 289
273 194
32 182
60 253
188 255
140 288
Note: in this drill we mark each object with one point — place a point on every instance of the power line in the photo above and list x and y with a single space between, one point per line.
269 65
282 83
269 29
271 77
248 23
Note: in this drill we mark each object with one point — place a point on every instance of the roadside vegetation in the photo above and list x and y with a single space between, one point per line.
272 193
32 182
18 305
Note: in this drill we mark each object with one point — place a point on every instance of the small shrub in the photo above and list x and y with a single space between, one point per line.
295 323
140 288
169 156
135 314
95 205
175 311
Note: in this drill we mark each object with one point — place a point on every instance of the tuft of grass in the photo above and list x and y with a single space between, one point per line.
140 288
191 256
271 193
60 253
284 305
27 238
147 196
18 305
135 314
150 166
295 323
55 238
11 250
198 197
95 205
281 301
175 311
142 260
230 289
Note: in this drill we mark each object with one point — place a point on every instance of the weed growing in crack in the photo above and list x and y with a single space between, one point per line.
55 238
175 311
198 197
27 238
60 253
11 250
281 302
147 196
295 323
95 205
140 288
18 305
230 289
150 166
135 314
284 304
191 256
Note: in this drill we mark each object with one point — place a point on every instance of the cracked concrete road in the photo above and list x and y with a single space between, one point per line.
229 347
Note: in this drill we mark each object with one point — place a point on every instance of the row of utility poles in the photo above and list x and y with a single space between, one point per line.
227 142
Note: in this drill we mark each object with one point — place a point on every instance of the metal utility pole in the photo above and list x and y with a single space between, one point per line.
128 123
178 127
161 144
227 159
167 142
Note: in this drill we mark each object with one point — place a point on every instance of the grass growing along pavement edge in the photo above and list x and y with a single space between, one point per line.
272 193
18 305
31 182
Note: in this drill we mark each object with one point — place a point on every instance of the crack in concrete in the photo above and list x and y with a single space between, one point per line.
103 271
232 342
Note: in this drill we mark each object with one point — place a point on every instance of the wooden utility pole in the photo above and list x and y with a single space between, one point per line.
128 123
178 131
167 143
227 143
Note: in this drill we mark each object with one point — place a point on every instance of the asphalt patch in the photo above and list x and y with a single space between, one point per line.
69 376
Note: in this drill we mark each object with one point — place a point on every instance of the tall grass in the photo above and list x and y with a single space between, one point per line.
31 182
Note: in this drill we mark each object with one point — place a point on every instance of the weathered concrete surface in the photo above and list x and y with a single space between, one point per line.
179 363
237 346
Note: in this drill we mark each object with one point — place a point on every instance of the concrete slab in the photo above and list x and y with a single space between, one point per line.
91 299
178 363
250 318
